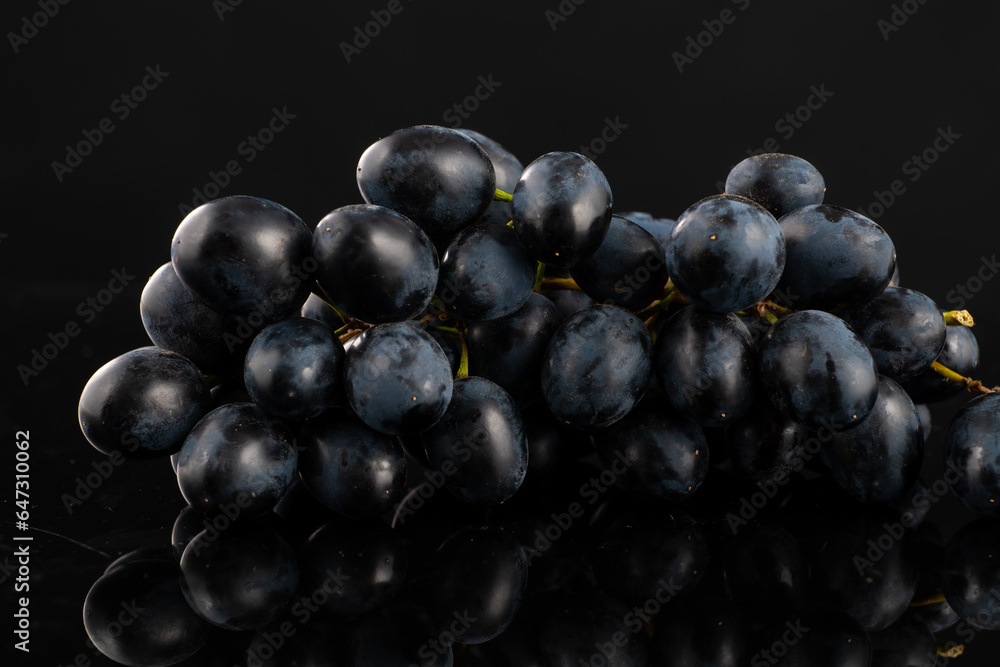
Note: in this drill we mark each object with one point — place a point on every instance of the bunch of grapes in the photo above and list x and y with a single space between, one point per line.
380 423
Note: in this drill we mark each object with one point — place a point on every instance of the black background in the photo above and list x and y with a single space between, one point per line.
682 131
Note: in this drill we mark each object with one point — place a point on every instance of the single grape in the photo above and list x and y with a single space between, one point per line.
904 330
437 177
706 365
878 459
777 181
596 367
479 444
374 263
485 273
628 269
398 379
245 256
351 468
294 369
725 253
178 321
817 371
562 208
836 258
143 403
972 455
972 575
236 457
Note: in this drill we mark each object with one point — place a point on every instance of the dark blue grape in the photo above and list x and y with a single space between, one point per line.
596 367
904 330
136 614
479 444
509 350
294 369
143 404
352 469
245 255
817 371
627 270
241 578
972 574
236 456
878 459
508 171
398 379
725 253
178 321
562 208
485 273
437 177
663 453
777 181
960 353
706 365
660 228
836 258
374 263
972 455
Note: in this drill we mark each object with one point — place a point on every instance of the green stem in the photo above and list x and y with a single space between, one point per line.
539 277
660 305
463 367
969 383
502 196
448 330
560 283
958 318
